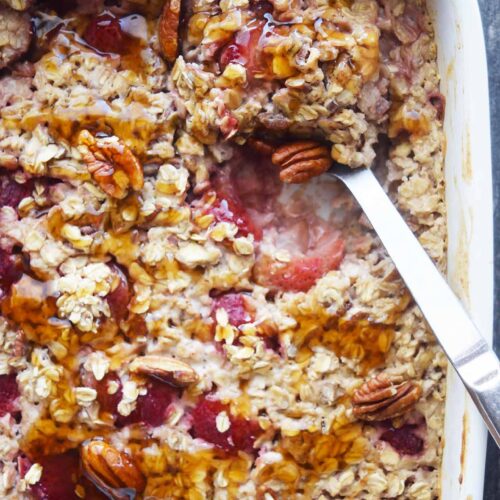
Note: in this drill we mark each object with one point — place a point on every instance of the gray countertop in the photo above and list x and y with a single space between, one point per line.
490 10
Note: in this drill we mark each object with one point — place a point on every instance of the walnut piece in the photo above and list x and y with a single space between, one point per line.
168 28
112 164
384 397
165 368
110 469
300 161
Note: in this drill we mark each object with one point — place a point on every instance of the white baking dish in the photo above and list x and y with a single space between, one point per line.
462 64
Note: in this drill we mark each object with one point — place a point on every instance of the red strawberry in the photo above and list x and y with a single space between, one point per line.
12 192
300 273
59 476
261 8
245 49
104 33
10 271
240 436
404 440
119 298
9 393
228 206
151 409
235 306
107 402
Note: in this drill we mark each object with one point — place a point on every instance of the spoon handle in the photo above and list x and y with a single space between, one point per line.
473 359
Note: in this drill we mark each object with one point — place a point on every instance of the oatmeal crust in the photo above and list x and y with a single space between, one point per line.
167 303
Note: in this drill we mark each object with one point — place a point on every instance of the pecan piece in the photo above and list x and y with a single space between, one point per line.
167 369
384 397
111 163
260 146
168 28
113 471
300 161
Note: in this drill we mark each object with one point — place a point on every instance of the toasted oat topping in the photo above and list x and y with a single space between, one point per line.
178 321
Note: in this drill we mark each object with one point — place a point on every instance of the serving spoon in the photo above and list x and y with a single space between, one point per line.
473 359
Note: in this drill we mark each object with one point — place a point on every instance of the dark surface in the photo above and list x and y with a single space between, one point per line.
490 10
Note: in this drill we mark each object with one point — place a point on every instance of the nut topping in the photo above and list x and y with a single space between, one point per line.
168 369
260 146
300 161
168 29
111 470
111 163
383 397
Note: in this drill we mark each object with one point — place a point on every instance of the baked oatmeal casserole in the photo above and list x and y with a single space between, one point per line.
188 310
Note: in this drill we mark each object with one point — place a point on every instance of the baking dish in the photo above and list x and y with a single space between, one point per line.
464 82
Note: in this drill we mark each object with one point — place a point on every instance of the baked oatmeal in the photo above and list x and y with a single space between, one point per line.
188 309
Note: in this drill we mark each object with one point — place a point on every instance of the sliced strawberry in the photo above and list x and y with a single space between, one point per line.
10 271
9 394
240 436
12 192
119 298
104 33
59 476
245 49
302 272
228 206
152 408
404 440
246 190
235 306
107 397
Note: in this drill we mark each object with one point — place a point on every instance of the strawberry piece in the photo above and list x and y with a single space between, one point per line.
272 342
12 192
119 298
9 393
228 206
152 408
10 272
246 190
244 49
261 8
235 306
404 440
104 33
59 476
107 402
302 272
240 436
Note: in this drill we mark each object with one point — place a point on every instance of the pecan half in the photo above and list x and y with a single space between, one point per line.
168 369
113 471
111 163
300 161
168 28
385 397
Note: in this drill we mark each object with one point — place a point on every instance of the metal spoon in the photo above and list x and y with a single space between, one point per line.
473 359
